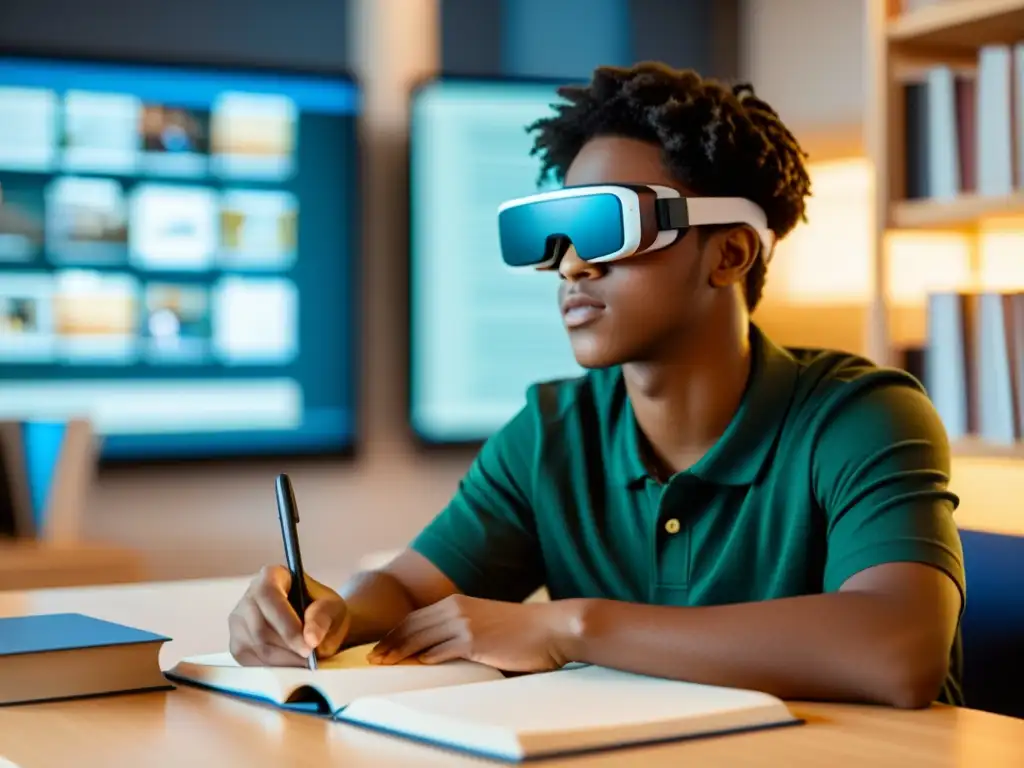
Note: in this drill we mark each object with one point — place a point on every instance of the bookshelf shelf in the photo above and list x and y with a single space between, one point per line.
957 213
941 127
979 449
955 24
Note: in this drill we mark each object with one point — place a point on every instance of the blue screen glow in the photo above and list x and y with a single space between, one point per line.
480 334
177 251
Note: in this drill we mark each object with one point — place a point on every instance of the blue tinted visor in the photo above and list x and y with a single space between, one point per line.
534 232
605 222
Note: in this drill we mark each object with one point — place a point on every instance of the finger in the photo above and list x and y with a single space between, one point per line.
267 646
410 645
272 602
247 658
240 644
262 642
415 622
277 576
453 649
262 636
325 624
274 656
317 590
247 652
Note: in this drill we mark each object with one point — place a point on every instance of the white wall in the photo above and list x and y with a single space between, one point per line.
805 58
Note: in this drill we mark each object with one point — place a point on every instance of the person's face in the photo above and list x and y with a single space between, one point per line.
643 305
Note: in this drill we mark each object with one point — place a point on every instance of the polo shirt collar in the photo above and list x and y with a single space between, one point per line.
743 450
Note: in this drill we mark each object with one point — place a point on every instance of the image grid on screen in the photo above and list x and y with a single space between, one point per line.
176 255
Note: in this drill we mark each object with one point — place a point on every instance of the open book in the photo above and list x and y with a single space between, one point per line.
340 679
469 707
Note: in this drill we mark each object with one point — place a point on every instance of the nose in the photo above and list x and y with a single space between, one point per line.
572 267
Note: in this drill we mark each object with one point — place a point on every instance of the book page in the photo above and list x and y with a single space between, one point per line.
566 710
349 658
581 698
339 679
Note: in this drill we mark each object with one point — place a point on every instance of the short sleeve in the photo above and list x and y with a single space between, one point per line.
485 540
882 474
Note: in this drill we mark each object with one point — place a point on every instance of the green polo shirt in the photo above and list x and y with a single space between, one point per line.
831 465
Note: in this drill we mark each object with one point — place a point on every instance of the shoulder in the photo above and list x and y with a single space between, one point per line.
581 411
850 412
827 376
833 385
562 423
591 394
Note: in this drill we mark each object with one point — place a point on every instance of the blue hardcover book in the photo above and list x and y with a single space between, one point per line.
69 655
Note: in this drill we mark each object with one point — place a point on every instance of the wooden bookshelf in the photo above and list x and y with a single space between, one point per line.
957 24
979 449
958 213
901 45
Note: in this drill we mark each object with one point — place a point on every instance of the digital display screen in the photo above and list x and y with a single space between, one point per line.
177 251
480 334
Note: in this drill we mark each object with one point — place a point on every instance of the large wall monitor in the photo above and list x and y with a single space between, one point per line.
177 247
479 335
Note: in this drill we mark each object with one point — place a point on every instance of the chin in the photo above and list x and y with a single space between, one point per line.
591 353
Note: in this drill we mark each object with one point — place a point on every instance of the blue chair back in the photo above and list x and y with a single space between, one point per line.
993 623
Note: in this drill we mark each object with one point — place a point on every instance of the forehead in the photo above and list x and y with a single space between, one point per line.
618 160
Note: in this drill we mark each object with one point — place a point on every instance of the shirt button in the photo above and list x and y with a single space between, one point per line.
672 525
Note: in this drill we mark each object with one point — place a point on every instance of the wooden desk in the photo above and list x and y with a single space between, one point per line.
188 727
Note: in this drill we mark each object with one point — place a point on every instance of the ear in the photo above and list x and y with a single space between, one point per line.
734 251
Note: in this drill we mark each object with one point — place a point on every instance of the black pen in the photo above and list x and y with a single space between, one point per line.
288 513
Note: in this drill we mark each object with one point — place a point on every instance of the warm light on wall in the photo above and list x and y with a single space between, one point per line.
1001 247
828 259
919 263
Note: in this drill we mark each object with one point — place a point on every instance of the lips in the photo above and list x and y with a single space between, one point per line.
578 310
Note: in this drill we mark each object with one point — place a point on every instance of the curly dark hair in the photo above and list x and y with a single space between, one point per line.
716 140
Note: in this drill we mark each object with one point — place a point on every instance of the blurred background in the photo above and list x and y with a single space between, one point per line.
241 238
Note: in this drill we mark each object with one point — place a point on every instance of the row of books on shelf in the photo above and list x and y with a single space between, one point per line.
974 364
964 127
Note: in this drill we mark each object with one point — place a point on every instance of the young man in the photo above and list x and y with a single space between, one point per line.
702 504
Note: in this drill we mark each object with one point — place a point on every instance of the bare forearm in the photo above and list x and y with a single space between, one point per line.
377 602
842 646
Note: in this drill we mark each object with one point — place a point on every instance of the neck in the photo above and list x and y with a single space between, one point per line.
685 400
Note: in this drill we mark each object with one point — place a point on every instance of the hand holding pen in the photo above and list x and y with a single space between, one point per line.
285 617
